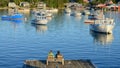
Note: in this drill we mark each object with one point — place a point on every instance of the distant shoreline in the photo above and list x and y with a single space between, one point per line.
3 7
21 7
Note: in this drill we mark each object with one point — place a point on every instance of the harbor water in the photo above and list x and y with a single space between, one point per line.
20 41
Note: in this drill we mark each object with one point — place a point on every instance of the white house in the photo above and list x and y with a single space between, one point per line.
24 4
12 5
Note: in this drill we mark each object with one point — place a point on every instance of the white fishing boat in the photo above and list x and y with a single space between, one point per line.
76 14
86 12
40 18
67 10
105 25
102 24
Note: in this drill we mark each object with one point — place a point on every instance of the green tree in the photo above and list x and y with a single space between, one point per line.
79 1
114 1
55 3
18 1
4 3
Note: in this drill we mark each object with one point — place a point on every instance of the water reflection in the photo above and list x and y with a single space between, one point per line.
49 18
40 28
103 39
66 14
11 11
13 22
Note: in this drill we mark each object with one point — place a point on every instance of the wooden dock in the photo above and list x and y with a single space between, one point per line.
68 64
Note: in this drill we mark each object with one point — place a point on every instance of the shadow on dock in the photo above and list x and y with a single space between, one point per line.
68 64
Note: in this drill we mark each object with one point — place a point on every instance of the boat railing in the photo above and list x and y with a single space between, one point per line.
104 21
40 17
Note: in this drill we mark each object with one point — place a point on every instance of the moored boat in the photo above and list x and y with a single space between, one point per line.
40 18
89 21
86 12
15 16
103 25
76 14
67 10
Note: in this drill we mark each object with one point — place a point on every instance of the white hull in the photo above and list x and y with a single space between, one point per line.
67 10
102 28
76 14
86 12
41 22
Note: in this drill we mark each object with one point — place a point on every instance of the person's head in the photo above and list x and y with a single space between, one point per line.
50 50
58 52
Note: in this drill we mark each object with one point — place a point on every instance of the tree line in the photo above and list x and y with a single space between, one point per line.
50 3
33 3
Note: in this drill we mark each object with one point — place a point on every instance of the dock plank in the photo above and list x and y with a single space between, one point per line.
68 64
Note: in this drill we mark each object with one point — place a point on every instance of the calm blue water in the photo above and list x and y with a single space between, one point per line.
22 41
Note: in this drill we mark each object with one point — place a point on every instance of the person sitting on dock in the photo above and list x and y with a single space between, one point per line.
50 57
50 53
59 57
58 54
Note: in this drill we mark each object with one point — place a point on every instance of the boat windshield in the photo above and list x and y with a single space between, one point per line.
39 14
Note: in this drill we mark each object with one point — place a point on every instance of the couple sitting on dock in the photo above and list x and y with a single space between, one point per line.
57 58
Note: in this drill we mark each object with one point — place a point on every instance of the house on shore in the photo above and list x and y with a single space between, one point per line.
12 5
24 7
41 5
12 8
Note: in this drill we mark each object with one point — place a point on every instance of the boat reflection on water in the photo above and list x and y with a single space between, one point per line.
40 28
49 18
100 38
16 23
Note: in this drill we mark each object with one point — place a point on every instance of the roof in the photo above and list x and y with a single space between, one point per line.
24 4
101 5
